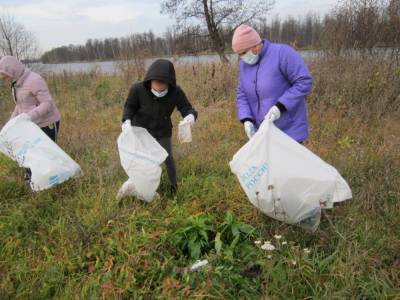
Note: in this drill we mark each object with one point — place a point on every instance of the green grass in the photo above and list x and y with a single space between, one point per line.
78 242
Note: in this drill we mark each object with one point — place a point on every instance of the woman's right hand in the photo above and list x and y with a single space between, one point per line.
126 125
249 129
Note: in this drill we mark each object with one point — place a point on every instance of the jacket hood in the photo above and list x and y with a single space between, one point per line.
161 69
12 67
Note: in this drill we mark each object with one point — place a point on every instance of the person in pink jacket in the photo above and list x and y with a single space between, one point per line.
31 96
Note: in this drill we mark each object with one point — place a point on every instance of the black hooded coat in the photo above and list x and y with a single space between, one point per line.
147 111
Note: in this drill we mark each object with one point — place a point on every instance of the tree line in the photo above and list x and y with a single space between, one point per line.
192 40
352 24
206 26
145 44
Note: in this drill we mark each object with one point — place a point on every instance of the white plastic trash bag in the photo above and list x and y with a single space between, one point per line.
184 132
285 180
24 142
141 156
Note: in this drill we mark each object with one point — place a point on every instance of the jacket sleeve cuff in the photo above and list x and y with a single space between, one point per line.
34 115
245 120
281 107
192 112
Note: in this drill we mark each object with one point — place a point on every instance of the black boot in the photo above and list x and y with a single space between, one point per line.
173 189
27 178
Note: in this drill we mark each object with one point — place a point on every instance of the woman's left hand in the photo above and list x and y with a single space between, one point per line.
273 114
25 117
190 119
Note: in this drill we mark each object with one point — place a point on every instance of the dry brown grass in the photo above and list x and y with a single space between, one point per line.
67 242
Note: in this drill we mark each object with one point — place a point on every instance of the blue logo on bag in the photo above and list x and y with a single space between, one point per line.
28 146
253 175
59 178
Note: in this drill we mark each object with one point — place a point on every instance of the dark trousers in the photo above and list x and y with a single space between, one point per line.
166 143
52 132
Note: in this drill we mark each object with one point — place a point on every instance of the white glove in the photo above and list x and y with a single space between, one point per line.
126 125
249 129
25 117
190 119
273 114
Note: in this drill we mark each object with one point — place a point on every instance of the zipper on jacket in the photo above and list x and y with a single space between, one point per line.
258 96
14 92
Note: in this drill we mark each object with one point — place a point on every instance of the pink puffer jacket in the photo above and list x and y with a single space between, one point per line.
30 93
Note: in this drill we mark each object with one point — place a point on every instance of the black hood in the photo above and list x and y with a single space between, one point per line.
161 69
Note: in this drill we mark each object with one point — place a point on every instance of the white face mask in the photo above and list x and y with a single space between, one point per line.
159 94
250 58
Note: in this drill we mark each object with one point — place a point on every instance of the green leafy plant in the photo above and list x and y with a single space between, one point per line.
234 236
232 230
195 237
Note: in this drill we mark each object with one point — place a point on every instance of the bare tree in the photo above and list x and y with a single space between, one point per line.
393 28
363 25
356 24
16 40
215 14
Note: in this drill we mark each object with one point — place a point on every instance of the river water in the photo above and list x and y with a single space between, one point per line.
112 66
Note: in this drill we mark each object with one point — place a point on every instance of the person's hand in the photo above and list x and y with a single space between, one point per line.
273 114
190 119
249 129
126 125
25 117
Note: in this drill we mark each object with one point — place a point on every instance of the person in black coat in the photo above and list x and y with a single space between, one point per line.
150 104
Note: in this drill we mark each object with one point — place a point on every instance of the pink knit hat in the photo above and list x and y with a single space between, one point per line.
244 38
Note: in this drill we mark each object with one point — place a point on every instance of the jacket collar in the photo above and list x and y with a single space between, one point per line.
21 79
265 48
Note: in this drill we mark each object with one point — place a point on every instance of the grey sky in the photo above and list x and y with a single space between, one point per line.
57 23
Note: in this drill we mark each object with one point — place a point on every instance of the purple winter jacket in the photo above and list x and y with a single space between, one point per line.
279 76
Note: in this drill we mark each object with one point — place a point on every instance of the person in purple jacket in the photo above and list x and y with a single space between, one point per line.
273 84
